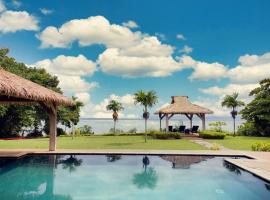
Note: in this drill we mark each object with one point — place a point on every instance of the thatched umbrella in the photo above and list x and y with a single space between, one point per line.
17 90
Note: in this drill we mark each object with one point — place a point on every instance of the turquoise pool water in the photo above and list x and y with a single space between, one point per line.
95 177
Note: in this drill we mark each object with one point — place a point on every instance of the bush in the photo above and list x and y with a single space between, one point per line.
86 130
215 147
212 135
217 126
260 147
133 130
248 129
165 136
60 131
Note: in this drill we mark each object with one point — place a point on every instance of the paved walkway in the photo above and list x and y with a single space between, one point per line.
208 145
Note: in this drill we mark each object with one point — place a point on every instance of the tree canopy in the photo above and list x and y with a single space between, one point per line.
32 117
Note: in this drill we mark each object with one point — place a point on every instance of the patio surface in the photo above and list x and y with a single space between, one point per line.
259 165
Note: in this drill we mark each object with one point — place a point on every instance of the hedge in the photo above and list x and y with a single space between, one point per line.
212 135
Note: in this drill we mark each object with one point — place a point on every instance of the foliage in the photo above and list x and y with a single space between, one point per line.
257 112
217 126
231 101
30 116
164 135
248 129
146 99
77 132
115 131
133 130
86 130
60 132
208 134
260 147
215 147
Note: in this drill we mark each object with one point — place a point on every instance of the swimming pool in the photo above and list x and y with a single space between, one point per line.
81 177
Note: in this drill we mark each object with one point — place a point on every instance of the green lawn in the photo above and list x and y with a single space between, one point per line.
240 142
102 142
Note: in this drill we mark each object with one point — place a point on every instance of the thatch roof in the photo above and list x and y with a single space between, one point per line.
14 88
181 105
184 162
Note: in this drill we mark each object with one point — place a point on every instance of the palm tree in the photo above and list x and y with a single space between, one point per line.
114 106
146 99
230 101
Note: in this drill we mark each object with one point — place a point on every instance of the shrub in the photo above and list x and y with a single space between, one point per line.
133 130
60 131
215 147
212 135
86 130
260 146
217 126
248 129
164 136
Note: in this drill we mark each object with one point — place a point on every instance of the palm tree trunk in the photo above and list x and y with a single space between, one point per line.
114 124
145 126
234 126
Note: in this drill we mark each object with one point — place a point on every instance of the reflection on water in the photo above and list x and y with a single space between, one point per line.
147 178
72 177
113 158
231 167
184 162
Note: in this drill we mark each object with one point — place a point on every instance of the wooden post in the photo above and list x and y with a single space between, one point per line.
53 127
191 116
167 123
203 122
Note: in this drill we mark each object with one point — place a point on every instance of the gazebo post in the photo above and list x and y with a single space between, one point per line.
203 122
53 126
160 115
191 116
167 123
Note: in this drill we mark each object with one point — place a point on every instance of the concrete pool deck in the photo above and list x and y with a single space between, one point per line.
259 165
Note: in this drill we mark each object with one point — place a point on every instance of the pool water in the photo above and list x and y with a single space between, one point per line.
95 177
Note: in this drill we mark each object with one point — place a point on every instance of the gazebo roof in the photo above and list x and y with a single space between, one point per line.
181 105
16 89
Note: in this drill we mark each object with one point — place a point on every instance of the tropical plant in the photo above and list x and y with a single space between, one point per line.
114 106
257 112
86 130
146 99
231 101
217 126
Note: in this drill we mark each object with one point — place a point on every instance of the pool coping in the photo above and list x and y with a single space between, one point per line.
256 163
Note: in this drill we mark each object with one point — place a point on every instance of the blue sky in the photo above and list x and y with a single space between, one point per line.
114 48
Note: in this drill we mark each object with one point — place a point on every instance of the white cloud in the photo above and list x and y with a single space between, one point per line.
180 36
68 65
84 97
252 69
130 24
46 11
93 30
12 21
242 89
186 49
111 61
161 36
2 6
70 71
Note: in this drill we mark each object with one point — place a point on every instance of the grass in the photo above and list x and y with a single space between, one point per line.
102 142
240 142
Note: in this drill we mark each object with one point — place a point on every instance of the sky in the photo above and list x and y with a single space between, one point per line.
102 50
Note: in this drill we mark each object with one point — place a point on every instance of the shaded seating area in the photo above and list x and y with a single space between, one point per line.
180 105
17 90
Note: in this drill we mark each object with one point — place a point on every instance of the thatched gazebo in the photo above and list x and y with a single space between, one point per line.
181 105
17 90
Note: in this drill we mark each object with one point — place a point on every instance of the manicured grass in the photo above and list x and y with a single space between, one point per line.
240 142
102 142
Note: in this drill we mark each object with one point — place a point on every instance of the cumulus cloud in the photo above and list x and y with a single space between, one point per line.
186 49
12 21
46 11
16 3
113 62
93 30
130 24
180 36
70 71
252 69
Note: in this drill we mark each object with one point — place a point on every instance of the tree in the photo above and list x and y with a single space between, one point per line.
146 99
33 116
114 106
257 112
230 101
217 126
